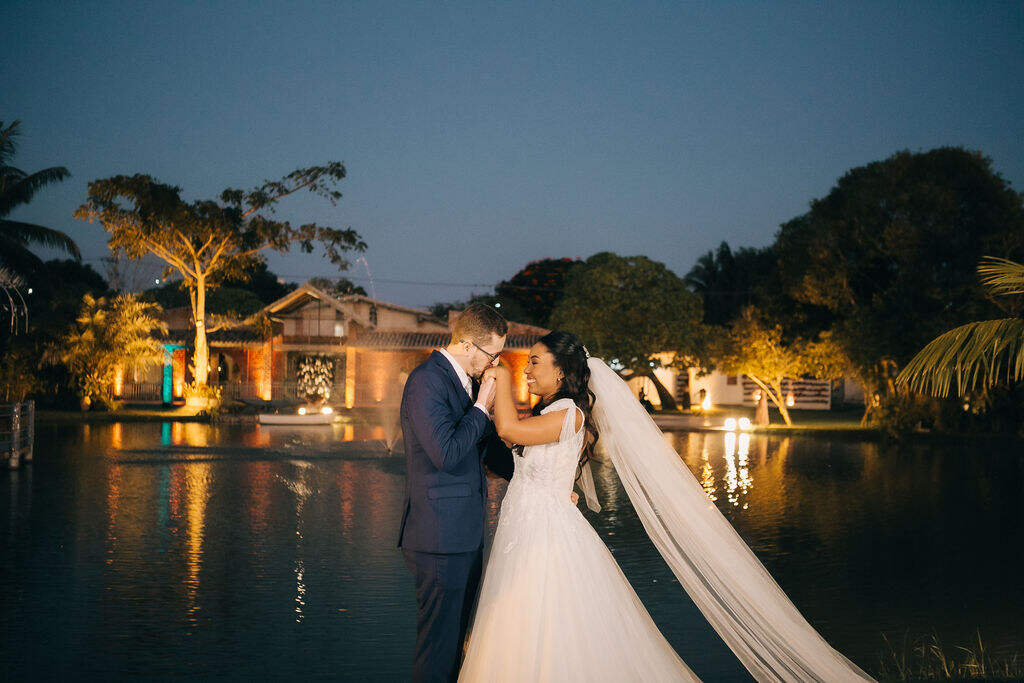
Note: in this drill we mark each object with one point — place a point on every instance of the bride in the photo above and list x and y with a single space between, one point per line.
554 605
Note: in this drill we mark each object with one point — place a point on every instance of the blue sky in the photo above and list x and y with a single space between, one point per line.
479 136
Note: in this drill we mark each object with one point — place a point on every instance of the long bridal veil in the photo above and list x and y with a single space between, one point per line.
726 581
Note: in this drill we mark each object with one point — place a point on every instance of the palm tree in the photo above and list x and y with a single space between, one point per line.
978 355
10 287
17 188
110 336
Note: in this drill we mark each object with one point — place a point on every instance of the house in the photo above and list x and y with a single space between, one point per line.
352 350
721 389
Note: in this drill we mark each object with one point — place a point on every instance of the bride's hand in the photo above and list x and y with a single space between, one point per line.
499 372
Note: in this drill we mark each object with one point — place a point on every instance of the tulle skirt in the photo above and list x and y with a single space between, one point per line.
554 605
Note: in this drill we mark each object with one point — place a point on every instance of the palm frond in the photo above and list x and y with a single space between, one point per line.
16 258
29 233
20 190
10 279
972 356
1001 276
7 144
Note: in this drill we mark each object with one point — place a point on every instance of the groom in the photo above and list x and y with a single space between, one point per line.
448 438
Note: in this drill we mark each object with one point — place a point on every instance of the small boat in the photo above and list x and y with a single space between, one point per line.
305 415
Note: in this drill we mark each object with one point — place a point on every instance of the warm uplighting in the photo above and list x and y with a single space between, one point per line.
350 377
732 424
302 410
326 410
706 403
118 381
790 400
178 371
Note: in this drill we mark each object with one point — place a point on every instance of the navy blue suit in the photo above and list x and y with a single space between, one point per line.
447 442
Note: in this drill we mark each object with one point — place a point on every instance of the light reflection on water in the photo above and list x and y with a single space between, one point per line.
125 557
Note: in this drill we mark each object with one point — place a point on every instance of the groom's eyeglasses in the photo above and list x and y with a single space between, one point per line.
492 356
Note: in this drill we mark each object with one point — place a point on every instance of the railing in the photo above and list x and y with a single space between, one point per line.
17 432
141 391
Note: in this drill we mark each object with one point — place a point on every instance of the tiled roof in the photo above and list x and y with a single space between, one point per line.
427 340
236 335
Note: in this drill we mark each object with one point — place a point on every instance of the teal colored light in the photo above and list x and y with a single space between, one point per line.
168 379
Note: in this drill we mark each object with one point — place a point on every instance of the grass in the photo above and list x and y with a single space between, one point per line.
838 420
926 659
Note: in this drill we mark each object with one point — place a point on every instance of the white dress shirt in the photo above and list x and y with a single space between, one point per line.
464 378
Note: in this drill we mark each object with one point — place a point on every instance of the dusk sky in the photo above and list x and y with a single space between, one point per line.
480 136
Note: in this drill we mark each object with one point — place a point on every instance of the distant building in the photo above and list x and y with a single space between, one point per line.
722 389
360 349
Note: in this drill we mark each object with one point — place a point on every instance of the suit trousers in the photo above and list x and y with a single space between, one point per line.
446 590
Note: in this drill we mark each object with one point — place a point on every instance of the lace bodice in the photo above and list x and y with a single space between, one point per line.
544 476
551 467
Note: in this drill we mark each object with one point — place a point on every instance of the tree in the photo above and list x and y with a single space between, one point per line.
224 305
17 188
337 286
206 242
536 289
629 310
508 308
728 280
108 335
262 282
890 253
12 303
750 346
979 355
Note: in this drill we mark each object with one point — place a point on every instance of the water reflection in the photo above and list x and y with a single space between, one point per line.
260 562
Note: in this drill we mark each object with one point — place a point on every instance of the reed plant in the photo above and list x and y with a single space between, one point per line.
926 658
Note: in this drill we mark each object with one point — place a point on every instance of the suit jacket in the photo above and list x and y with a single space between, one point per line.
447 441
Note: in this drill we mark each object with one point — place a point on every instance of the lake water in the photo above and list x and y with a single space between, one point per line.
179 549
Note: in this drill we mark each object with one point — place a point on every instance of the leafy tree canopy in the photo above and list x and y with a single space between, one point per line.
536 289
337 286
630 309
207 242
890 252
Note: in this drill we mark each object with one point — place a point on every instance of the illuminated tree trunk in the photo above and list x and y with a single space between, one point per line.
774 392
780 401
201 358
668 402
761 414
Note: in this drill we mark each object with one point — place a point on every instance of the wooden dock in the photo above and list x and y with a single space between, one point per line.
17 433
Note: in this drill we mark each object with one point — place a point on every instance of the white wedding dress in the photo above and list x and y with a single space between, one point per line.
554 605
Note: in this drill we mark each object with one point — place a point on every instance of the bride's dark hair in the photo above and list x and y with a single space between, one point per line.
571 359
